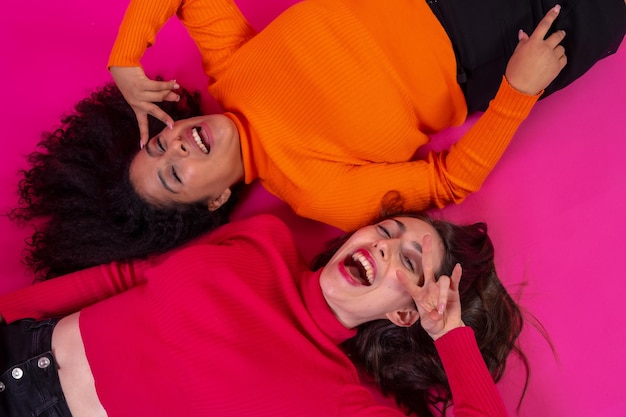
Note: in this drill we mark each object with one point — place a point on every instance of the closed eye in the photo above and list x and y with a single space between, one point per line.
383 231
175 175
408 263
159 144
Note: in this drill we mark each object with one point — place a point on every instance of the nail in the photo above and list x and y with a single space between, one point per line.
557 8
170 125
440 308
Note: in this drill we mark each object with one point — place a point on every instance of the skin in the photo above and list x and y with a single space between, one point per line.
522 72
403 252
173 168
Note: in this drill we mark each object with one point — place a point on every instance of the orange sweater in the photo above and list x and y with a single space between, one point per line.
333 98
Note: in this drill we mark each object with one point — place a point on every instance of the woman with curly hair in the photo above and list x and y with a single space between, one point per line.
235 323
78 191
326 107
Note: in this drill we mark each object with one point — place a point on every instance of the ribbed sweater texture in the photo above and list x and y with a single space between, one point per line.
232 324
333 98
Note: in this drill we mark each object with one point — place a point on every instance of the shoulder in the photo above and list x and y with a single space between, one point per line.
258 230
260 225
261 239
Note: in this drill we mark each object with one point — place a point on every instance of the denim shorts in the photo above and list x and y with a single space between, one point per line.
29 382
483 34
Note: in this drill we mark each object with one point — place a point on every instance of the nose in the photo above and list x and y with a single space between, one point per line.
179 148
385 246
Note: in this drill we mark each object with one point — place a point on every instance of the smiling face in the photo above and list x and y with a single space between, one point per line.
360 283
198 160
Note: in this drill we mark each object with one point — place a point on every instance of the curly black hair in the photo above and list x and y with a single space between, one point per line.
77 195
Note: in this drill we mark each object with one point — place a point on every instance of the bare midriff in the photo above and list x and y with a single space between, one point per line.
74 371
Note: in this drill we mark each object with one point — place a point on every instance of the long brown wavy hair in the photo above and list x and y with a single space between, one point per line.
403 361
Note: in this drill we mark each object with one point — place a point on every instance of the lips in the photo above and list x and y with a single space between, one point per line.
360 267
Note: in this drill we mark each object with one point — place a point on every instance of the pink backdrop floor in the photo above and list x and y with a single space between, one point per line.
554 204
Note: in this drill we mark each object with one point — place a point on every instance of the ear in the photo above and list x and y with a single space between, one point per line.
219 201
403 318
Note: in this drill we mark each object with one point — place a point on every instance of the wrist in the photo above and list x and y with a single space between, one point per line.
447 330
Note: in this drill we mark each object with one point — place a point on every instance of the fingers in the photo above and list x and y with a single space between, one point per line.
538 59
555 39
442 299
149 91
447 287
142 121
155 91
558 50
162 116
141 93
410 287
455 278
545 24
521 35
423 297
154 85
171 96
427 259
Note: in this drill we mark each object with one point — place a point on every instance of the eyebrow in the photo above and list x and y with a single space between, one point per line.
159 173
402 228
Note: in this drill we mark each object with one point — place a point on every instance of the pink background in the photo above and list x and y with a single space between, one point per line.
554 204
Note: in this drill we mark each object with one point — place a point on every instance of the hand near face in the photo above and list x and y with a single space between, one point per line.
141 93
438 302
537 61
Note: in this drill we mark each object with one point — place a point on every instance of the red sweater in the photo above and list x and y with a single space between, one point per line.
334 97
233 324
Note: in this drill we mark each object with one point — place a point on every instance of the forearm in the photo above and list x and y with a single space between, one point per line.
218 29
470 161
473 391
70 293
142 21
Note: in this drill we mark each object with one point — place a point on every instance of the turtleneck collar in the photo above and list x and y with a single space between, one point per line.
319 309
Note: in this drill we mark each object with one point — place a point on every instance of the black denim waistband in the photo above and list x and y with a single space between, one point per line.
29 381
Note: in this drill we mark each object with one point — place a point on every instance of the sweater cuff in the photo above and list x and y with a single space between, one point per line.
458 349
513 103
473 389
457 340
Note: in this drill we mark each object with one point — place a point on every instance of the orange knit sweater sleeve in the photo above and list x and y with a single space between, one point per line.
142 21
217 27
349 196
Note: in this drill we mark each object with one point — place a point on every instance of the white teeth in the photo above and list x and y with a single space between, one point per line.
198 139
369 270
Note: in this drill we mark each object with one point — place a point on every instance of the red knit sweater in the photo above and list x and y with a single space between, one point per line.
334 97
233 324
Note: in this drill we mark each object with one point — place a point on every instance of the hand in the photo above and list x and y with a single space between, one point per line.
141 93
537 61
438 302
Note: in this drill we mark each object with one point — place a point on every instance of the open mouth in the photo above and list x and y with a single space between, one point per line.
197 134
360 268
